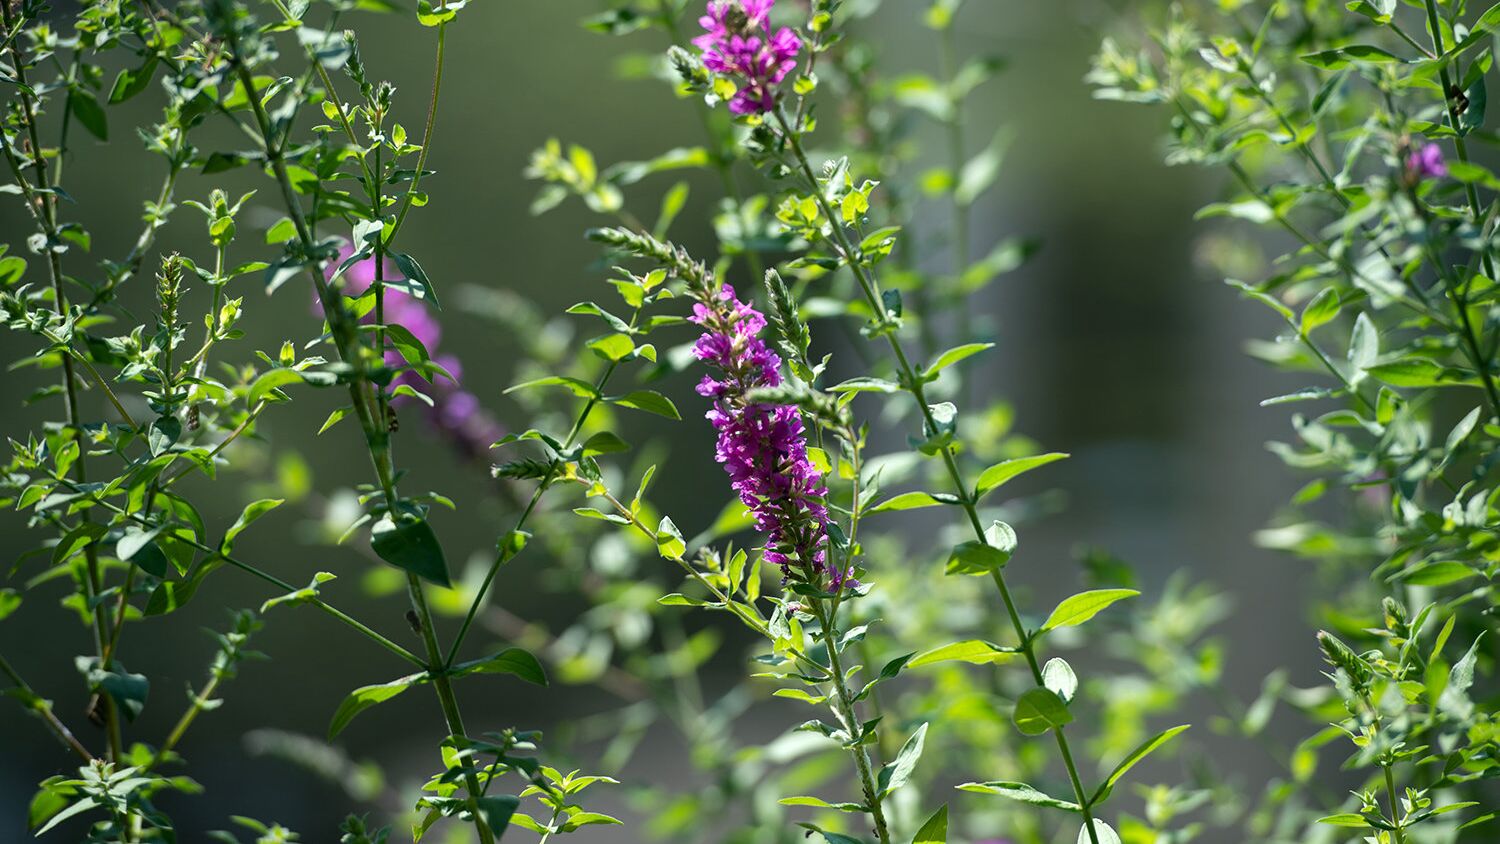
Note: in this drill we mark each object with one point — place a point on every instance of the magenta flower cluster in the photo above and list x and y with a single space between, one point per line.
1426 162
455 413
763 447
737 44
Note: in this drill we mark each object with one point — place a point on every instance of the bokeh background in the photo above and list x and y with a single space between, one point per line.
1115 344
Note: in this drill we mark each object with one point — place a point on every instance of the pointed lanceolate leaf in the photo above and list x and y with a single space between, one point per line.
509 661
408 542
976 651
365 697
1019 791
649 401
1084 606
1002 472
497 811
935 831
1130 761
895 775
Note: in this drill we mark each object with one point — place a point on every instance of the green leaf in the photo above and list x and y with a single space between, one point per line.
1008 254
905 501
497 811
365 697
582 389
895 775
1334 59
515 661
1040 710
271 380
865 385
304 595
669 541
604 442
1130 761
935 830
75 540
1437 574
421 286
10 599
954 355
975 651
586 819
410 544
979 172
613 347
1079 608
1323 309
131 82
1346 819
89 113
254 510
1419 372
1019 791
78 808
649 401
975 557
1269 301
1004 471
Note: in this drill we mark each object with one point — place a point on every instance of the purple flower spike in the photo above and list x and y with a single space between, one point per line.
456 413
737 43
763 447
1426 162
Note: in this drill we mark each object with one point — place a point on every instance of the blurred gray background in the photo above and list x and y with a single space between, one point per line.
1115 345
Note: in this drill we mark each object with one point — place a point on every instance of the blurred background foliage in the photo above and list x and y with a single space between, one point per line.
1116 343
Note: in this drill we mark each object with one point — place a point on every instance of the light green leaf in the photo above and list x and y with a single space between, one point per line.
1004 471
975 651
1079 608
1040 710
954 355
1019 791
1145 749
905 501
935 830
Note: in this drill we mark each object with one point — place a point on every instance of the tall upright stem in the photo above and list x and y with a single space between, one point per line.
377 438
913 384
43 205
851 721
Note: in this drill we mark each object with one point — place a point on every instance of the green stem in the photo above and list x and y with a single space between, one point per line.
956 157
195 707
847 714
721 141
913 384
377 438
272 579
432 107
1460 146
536 498
44 208
1390 789
43 710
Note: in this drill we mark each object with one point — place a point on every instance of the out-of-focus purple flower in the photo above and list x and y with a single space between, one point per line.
1426 162
737 43
455 412
763 447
